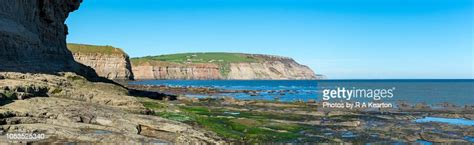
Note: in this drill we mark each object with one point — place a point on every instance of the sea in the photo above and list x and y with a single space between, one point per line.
429 91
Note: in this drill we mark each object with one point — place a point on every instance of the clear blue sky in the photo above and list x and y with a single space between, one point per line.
343 39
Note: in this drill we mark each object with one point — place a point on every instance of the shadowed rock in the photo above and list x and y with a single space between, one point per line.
33 37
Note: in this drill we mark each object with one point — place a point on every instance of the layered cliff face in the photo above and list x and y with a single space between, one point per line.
33 35
107 61
175 71
231 66
39 95
270 70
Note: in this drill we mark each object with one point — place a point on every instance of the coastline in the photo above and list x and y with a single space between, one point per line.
456 92
400 124
55 92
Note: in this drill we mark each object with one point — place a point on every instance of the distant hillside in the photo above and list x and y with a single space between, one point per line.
221 59
219 65
107 61
205 57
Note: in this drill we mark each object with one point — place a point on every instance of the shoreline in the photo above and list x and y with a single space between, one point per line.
83 104
314 122
213 92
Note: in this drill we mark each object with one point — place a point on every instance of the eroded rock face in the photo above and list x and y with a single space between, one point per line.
33 35
107 61
270 68
170 71
111 66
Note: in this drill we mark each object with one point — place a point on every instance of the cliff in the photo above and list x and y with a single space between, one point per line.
231 66
107 61
33 36
176 71
40 95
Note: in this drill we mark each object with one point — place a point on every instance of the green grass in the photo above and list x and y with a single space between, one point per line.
205 57
222 59
94 49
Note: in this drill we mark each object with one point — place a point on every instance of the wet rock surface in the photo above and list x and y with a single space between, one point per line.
183 90
394 125
310 122
176 90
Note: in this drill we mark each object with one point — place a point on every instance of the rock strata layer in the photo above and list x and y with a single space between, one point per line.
265 67
33 35
107 61
173 71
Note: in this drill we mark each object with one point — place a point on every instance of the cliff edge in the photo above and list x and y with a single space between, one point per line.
229 66
39 93
107 61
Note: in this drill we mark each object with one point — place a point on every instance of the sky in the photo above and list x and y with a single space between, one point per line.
342 39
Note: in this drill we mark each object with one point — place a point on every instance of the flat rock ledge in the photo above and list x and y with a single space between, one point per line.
67 108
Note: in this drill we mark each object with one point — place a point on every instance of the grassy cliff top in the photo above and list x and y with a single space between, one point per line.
93 49
204 57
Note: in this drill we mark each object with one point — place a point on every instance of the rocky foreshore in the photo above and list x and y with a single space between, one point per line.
311 122
182 90
44 91
68 108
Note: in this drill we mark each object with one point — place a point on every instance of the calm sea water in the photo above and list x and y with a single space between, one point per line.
459 92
